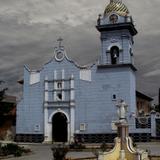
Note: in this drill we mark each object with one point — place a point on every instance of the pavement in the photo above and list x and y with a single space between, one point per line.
43 151
152 147
39 152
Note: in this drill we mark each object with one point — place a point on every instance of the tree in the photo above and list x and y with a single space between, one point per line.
2 91
157 108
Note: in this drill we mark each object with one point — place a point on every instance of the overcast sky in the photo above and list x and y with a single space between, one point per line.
29 30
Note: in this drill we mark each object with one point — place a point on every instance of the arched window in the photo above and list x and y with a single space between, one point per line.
114 54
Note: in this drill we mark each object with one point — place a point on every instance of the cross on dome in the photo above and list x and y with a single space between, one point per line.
60 41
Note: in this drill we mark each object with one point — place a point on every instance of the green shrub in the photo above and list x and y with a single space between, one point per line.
103 147
14 149
59 151
18 153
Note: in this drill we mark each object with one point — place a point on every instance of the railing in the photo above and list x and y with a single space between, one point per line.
158 127
153 157
143 122
86 158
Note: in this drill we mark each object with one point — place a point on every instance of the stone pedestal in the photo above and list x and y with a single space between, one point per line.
122 131
123 149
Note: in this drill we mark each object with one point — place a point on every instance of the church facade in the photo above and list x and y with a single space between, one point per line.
64 100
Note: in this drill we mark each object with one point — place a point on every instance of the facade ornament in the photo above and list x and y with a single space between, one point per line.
59 51
99 19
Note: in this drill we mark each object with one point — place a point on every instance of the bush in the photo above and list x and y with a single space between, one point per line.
103 147
18 153
0 149
14 149
77 145
59 151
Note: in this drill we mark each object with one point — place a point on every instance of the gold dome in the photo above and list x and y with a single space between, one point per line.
116 6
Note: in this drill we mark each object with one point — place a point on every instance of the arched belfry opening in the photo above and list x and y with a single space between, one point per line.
114 51
59 127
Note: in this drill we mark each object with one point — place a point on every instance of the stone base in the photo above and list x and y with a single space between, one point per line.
32 138
109 138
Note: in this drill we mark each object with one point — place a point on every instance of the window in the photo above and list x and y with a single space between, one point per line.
59 85
113 18
114 97
82 126
36 127
114 55
59 96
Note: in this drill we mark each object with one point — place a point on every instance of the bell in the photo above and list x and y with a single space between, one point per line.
115 55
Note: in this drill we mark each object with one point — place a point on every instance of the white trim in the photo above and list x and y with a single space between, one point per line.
46 96
34 77
117 44
72 92
72 108
85 74
56 57
63 93
46 87
47 128
55 85
57 111
72 112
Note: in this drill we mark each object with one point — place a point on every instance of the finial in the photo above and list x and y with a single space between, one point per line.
60 41
99 19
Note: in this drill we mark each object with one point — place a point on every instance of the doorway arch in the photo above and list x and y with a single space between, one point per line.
59 127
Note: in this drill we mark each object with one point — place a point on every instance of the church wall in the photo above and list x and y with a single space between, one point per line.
115 38
32 107
95 105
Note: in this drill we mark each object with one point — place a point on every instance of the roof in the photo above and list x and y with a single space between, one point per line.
141 95
116 6
21 81
9 99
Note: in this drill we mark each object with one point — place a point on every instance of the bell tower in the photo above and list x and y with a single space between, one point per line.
116 61
116 31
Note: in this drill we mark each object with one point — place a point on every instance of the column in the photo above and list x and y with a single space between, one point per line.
72 92
46 98
63 93
72 108
55 85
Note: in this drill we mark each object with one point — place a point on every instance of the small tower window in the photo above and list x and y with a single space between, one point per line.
114 55
113 18
114 97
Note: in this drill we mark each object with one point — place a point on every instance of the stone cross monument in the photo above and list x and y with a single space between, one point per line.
122 110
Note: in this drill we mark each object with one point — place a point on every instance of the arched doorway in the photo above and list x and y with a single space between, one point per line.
59 127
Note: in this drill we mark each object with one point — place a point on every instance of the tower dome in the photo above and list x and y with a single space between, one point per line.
116 6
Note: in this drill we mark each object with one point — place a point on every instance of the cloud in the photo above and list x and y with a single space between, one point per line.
29 29
152 73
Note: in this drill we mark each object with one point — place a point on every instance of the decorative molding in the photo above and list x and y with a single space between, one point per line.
117 44
57 111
